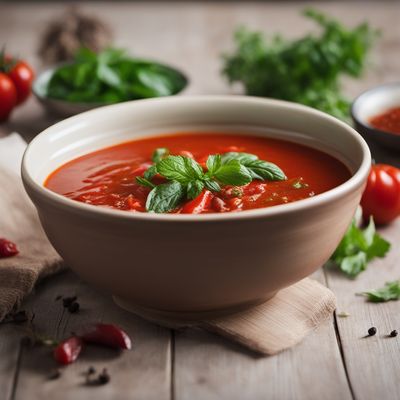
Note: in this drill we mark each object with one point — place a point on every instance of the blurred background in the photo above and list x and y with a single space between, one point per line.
191 36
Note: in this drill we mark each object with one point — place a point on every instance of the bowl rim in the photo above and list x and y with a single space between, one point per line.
108 213
371 129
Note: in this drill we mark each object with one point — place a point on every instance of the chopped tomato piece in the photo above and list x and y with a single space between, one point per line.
199 204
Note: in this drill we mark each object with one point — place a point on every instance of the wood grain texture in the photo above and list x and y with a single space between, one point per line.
373 363
207 367
142 373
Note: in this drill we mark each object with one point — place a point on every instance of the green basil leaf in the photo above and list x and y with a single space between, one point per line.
181 169
213 163
233 173
159 154
150 172
165 197
243 158
212 185
194 189
264 170
107 75
391 291
144 182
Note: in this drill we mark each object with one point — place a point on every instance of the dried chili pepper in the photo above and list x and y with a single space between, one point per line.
108 335
68 350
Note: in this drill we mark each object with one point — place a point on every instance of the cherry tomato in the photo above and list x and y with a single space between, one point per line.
22 75
8 96
381 197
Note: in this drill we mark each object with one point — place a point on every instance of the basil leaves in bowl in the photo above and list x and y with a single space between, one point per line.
96 79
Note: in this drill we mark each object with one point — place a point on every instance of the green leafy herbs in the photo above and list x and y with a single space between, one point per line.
187 179
306 70
111 76
358 247
391 291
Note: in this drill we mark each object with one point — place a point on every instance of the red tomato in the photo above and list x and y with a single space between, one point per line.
22 75
381 197
8 96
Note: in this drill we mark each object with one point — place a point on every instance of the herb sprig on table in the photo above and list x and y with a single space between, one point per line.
112 76
186 179
358 247
306 70
391 291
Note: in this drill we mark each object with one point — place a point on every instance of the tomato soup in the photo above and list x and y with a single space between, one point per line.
115 176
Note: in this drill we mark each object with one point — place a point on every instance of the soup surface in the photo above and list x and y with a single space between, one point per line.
108 177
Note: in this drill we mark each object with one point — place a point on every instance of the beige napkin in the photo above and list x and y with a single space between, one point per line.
20 224
267 328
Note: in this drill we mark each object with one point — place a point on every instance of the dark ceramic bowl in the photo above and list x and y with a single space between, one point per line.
374 102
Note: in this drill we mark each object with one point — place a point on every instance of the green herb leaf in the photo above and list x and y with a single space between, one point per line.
264 170
258 169
194 189
165 197
358 247
144 182
212 185
391 291
233 173
243 158
179 168
159 154
150 172
213 163
307 70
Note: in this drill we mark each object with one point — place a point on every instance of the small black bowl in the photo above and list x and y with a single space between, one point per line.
374 102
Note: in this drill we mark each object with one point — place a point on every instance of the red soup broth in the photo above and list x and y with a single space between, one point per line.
107 177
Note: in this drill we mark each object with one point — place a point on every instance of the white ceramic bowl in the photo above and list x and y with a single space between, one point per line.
194 263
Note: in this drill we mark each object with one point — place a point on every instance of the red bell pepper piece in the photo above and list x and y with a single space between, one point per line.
199 204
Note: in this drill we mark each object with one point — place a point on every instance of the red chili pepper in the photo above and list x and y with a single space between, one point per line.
7 248
68 350
199 204
108 335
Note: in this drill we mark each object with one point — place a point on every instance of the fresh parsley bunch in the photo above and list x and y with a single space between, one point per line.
306 70
186 178
358 247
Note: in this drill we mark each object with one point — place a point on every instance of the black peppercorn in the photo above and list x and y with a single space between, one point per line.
104 377
372 331
394 333
67 301
73 307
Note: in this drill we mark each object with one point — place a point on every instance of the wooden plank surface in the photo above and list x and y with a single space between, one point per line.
142 373
208 367
192 36
373 363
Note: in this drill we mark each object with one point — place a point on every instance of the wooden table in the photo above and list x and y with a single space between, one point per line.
335 362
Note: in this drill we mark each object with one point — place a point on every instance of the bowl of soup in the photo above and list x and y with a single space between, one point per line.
194 205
